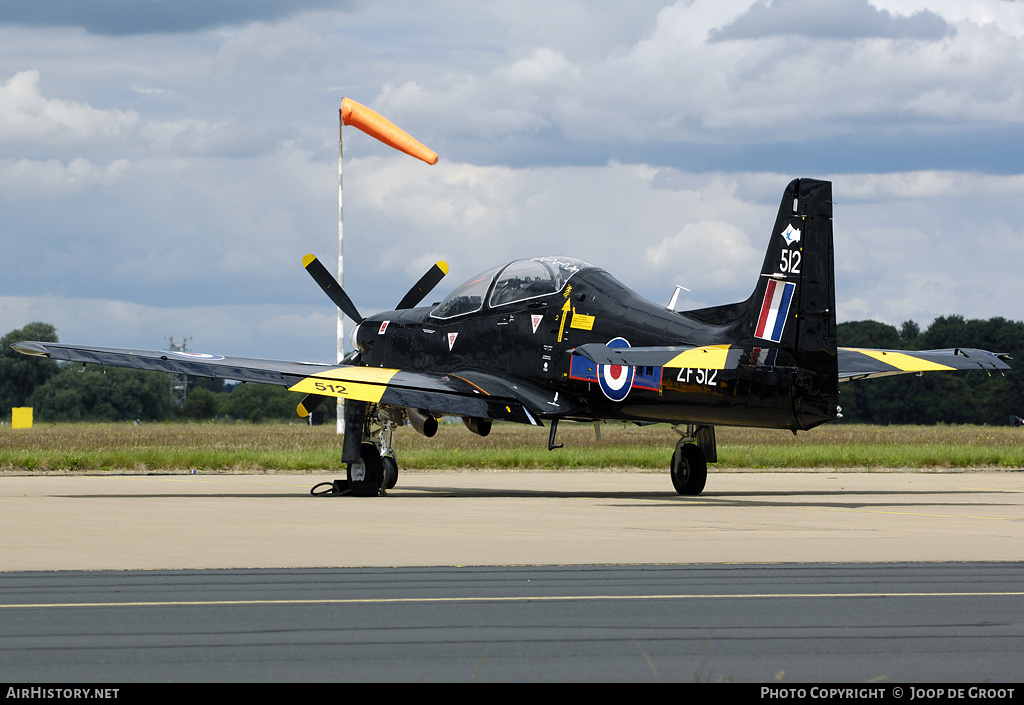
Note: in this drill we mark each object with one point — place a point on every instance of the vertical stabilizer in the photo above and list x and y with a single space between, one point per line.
793 305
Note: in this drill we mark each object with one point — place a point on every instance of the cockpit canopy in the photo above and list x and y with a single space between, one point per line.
508 284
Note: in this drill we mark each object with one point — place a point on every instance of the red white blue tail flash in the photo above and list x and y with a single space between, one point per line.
774 310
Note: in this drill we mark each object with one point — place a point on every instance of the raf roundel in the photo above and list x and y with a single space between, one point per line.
616 380
196 356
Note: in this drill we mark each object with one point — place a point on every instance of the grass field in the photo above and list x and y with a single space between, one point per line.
298 448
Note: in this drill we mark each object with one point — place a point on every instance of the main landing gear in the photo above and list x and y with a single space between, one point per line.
689 466
372 467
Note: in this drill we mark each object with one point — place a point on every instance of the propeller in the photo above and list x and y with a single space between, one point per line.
333 290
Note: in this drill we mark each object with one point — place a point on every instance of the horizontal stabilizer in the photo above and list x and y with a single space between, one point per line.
864 363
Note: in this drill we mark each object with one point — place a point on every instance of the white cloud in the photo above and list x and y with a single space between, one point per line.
838 20
192 171
672 84
908 246
26 116
655 227
713 254
52 179
272 331
1006 14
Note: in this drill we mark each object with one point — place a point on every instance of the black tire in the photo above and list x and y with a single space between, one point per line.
689 470
390 472
366 476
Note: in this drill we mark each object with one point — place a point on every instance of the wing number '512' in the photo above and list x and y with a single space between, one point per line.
336 388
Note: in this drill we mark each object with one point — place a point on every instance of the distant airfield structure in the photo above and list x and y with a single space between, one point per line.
179 382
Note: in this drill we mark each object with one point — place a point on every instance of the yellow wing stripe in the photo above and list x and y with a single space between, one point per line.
358 383
906 363
708 357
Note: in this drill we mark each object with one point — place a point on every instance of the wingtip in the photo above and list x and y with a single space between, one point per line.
31 347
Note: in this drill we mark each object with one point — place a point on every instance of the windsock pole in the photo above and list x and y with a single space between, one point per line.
341 270
379 127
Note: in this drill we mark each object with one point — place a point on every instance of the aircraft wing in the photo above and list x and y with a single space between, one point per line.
864 363
439 393
487 397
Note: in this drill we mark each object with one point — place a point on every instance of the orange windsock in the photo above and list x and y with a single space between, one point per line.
376 125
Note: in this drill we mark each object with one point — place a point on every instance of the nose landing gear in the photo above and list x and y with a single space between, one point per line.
375 469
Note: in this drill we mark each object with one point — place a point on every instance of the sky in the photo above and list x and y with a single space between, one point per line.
164 166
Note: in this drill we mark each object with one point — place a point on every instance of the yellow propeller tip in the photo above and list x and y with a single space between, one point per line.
307 259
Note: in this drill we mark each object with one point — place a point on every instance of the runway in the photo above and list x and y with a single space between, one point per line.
788 578
767 623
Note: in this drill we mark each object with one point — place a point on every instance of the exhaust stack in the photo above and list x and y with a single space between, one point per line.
422 421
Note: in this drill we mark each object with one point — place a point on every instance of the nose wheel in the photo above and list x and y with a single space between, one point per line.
371 463
367 477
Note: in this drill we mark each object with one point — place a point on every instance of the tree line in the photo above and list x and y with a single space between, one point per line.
60 392
937 397
64 392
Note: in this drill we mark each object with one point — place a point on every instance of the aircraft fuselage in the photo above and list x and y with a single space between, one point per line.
532 341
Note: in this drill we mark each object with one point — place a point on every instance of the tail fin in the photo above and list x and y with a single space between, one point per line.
793 305
794 301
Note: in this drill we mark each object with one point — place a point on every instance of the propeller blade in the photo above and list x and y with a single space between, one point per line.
309 404
331 287
423 287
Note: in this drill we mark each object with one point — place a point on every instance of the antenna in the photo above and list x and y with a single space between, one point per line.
675 297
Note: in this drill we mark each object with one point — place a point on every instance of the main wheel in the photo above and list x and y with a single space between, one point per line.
689 469
390 472
366 476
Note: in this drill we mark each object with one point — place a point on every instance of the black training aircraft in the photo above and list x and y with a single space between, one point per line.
556 338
